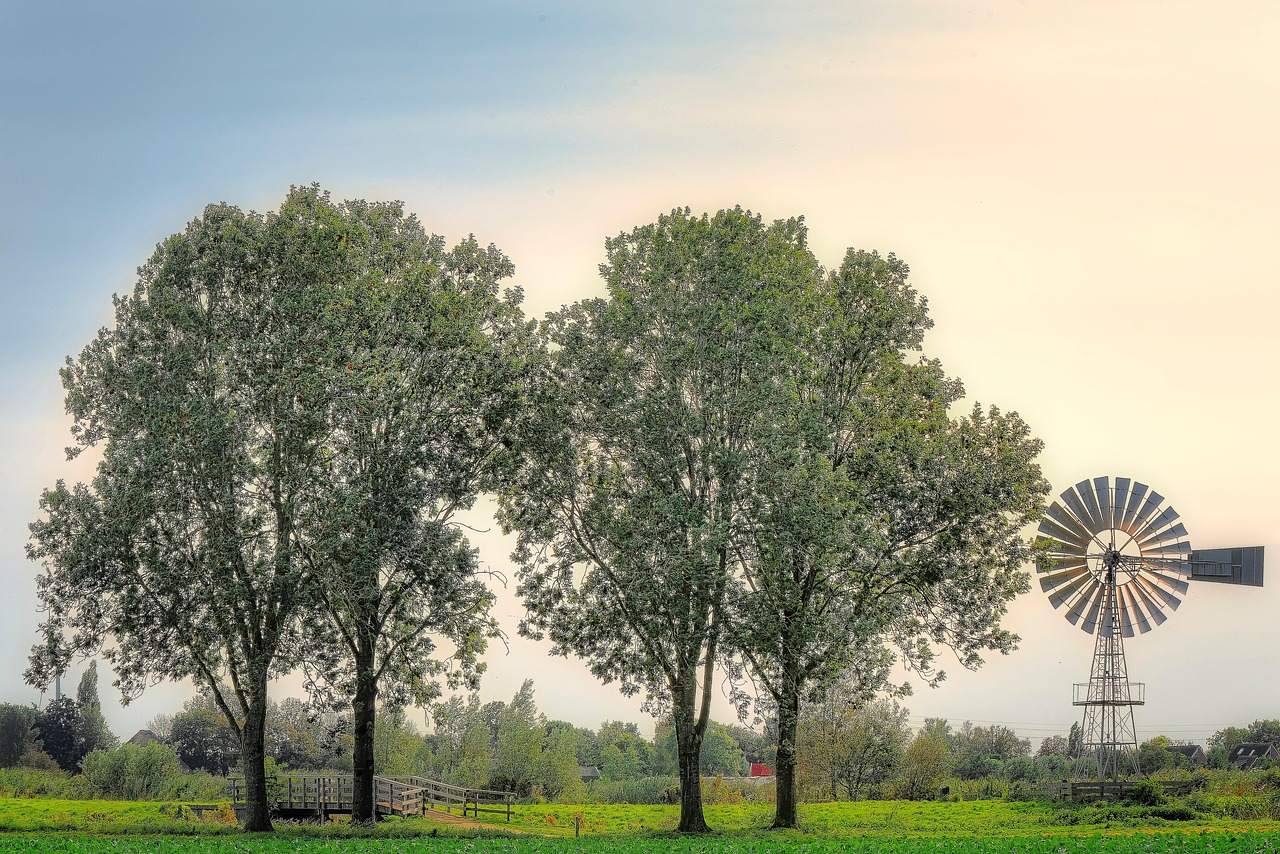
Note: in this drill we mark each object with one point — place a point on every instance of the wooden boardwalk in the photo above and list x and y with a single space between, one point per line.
318 796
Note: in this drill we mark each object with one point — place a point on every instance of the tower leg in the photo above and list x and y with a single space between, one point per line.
1108 732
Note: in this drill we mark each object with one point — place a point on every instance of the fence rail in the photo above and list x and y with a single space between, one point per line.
320 795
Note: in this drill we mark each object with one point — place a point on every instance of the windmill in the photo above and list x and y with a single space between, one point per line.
1120 562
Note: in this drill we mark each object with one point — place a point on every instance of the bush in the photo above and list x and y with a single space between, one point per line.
39 760
637 790
1146 792
131 772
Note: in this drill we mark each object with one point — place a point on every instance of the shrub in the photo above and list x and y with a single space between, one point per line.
637 790
131 772
1146 792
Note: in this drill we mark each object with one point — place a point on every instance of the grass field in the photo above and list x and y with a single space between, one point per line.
879 827
1166 843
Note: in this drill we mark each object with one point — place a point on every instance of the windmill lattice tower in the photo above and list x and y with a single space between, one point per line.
1119 561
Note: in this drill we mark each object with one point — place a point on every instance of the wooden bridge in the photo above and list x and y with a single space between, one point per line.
318 796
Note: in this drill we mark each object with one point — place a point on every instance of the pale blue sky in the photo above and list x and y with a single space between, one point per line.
1085 191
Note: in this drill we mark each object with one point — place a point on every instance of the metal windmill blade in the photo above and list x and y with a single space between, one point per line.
1114 548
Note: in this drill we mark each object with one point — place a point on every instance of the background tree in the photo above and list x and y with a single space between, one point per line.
876 524
721 754
1154 755
556 771
206 400
17 733
925 764
848 747
585 747
1075 741
522 733
397 744
61 731
201 737
1054 745
624 754
1265 731
982 751
96 734
626 499
430 380
1229 737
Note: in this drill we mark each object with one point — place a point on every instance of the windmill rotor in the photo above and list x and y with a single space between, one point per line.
1117 541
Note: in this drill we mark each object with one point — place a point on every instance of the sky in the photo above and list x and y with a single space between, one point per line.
1085 192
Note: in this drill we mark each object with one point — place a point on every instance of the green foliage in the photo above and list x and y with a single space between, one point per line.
131 772
925 764
848 749
632 474
62 732
202 737
1146 792
95 732
522 734
17 733
396 743
635 790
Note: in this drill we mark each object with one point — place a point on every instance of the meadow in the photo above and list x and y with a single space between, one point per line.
891 827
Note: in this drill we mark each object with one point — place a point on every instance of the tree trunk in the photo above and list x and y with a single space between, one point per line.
363 710
688 752
788 723
257 814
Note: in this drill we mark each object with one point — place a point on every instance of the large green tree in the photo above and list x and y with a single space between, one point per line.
876 525
627 498
206 401
433 352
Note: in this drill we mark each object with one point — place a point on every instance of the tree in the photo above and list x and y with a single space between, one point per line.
876 525
556 771
585 747
925 764
17 733
522 733
1154 755
848 747
1228 737
432 361
1075 741
202 738
1054 745
206 400
96 734
396 743
61 729
626 497
1265 731
623 753
982 751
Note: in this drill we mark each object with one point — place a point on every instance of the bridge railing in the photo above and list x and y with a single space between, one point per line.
399 795
472 801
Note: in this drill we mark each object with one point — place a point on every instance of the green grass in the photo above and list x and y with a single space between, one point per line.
1251 842
107 817
877 819
876 827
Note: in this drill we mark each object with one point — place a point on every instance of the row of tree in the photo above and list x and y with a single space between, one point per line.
730 464
61 734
